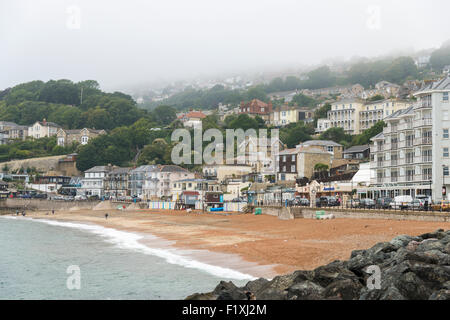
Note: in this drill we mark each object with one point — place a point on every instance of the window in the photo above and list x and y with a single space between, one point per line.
293 168
445 171
445 133
445 96
284 169
84 139
445 152
284 158
293 157
330 148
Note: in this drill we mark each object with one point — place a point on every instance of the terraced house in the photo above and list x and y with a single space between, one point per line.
411 156
66 137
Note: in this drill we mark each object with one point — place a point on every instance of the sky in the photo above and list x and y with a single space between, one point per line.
119 43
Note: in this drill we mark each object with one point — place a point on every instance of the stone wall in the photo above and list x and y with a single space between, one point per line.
44 204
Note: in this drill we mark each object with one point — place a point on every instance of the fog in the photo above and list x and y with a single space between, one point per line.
122 43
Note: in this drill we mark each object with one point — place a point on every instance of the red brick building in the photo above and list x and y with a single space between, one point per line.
256 108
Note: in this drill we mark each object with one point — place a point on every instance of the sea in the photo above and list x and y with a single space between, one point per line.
48 259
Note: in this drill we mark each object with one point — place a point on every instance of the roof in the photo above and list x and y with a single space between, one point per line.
324 143
353 149
172 168
49 124
195 114
99 169
120 170
442 84
77 131
378 136
144 168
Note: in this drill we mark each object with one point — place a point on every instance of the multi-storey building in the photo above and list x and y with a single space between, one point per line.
93 182
285 115
375 111
334 148
159 181
136 179
42 129
411 156
66 137
116 182
355 115
257 108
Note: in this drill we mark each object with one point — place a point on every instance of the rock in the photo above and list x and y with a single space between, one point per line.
348 289
255 285
442 294
202 296
334 271
306 290
228 291
412 287
403 240
412 268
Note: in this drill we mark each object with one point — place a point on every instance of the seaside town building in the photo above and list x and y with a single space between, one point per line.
334 148
284 115
11 131
375 111
159 181
41 129
137 179
93 182
116 182
411 156
257 108
65 137
192 119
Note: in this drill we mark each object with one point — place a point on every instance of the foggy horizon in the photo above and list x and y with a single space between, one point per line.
124 44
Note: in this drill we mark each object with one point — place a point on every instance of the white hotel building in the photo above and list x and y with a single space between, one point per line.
411 156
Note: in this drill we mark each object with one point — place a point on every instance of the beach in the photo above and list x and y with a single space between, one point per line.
262 246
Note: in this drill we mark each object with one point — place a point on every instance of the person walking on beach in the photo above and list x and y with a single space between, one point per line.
53 211
106 216
23 213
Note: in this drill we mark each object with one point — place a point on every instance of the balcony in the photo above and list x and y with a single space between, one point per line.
409 160
423 122
425 105
380 164
409 143
394 162
426 140
394 179
394 146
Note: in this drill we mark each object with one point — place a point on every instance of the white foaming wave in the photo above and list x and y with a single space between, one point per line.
129 240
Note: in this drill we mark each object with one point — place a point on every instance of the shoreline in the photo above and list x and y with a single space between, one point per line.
261 246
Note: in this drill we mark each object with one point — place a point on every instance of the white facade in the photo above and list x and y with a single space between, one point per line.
411 156
41 129
93 182
158 182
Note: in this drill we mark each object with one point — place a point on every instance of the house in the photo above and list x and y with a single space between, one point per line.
137 178
159 181
13 131
357 152
4 137
325 145
49 183
66 137
192 119
93 183
116 182
256 108
184 187
300 162
41 129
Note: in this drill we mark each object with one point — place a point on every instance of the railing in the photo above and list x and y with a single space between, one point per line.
394 146
394 178
425 104
423 122
409 160
409 143
426 140
402 143
394 162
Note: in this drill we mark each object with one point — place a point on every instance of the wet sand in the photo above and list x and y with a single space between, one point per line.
258 245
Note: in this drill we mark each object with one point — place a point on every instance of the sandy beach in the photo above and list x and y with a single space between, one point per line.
258 245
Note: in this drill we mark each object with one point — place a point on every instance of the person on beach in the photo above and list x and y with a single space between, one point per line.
53 211
23 213
17 212
106 216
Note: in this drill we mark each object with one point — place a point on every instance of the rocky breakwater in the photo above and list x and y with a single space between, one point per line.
406 268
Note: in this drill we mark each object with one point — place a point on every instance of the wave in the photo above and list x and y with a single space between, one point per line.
130 241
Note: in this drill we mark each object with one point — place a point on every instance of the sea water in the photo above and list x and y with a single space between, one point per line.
38 258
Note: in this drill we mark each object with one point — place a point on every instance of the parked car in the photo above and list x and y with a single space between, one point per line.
58 197
353 203
441 206
332 202
401 202
304 202
80 197
40 196
68 198
322 202
367 203
383 203
24 196
93 197
417 204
